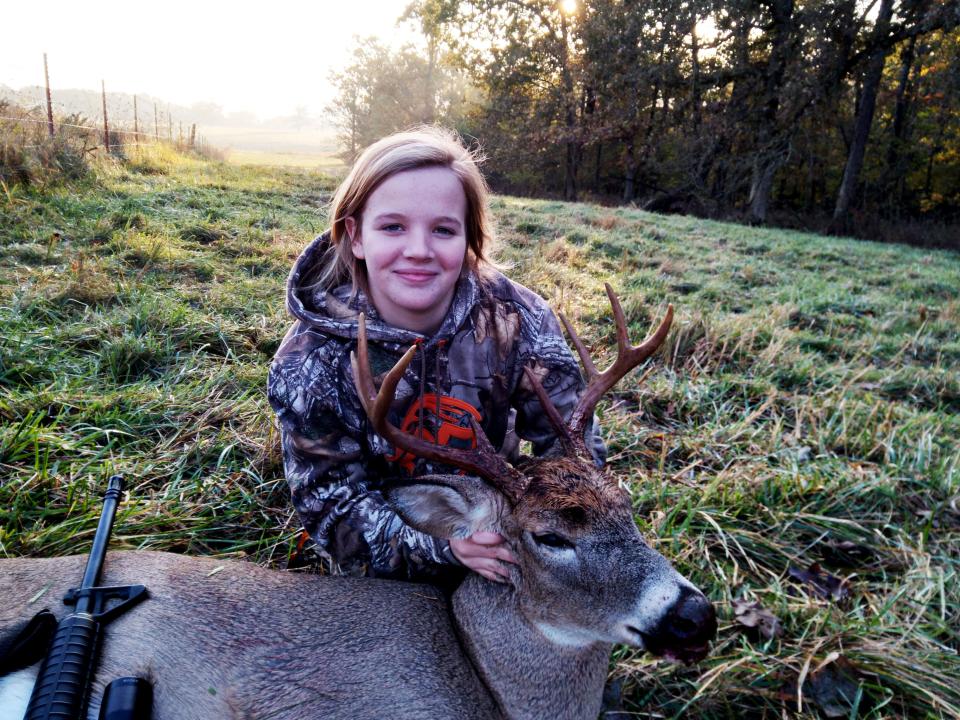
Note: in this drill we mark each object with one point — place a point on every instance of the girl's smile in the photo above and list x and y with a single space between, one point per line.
412 239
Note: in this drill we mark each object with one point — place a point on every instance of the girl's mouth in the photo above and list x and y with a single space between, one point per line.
416 276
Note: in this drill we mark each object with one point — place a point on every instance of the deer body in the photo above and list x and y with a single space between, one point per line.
247 642
228 639
224 640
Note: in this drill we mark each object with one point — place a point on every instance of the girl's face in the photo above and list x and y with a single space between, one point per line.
413 239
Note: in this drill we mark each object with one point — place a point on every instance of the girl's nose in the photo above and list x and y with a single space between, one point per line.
419 246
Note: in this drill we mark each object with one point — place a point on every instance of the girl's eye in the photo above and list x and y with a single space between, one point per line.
552 540
445 231
392 227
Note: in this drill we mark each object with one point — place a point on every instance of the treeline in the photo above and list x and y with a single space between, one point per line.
831 114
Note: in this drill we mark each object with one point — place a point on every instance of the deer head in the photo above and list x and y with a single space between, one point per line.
584 573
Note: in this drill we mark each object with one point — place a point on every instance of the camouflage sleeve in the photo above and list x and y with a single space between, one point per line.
334 489
553 363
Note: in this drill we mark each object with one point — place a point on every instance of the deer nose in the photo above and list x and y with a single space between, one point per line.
692 619
685 630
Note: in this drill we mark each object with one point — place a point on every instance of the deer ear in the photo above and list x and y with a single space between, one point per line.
447 506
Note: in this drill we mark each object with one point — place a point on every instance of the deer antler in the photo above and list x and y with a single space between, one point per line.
483 461
598 383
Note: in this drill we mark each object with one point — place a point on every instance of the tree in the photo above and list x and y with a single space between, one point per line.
919 17
865 110
751 108
382 91
527 64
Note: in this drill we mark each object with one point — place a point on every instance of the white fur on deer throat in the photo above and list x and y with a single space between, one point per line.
15 690
568 637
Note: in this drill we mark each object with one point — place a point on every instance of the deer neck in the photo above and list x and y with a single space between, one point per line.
528 675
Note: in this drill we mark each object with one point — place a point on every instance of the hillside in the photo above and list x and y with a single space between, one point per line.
805 409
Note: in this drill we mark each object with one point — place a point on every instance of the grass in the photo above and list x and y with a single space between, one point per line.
805 408
327 162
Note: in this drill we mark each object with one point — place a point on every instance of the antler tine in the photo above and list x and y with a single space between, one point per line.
553 415
376 404
483 462
620 320
588 367
628 357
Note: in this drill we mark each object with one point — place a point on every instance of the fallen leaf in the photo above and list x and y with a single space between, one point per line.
833 689
823 584
753 616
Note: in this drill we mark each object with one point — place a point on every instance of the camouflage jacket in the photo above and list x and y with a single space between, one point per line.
335 463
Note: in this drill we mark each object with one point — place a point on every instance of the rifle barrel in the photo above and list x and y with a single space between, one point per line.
99 550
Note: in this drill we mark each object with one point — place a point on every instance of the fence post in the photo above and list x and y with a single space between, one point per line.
106 127
156 124
193 135
46 78
169 125
136 122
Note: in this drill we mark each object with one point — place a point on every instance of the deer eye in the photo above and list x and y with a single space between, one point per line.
552 540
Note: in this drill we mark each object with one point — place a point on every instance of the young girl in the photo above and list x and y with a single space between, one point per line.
408 246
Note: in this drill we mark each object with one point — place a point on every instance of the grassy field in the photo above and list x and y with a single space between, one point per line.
326 163
805 409
312 149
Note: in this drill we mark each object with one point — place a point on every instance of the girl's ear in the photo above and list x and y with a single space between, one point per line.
350 224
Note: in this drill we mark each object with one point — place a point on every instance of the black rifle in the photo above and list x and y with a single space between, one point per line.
66 673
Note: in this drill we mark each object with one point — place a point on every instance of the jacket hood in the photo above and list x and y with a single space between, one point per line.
336 312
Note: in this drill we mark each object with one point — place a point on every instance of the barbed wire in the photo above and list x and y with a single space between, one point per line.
155 137
74 125
97 147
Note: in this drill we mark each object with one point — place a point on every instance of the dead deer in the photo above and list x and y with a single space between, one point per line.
227 639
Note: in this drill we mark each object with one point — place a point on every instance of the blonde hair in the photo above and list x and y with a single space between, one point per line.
420 147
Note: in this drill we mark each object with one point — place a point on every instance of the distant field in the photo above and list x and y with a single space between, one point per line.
284 148
804 409
327 163
272 140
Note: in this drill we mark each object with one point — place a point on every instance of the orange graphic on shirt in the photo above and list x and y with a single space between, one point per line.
445 421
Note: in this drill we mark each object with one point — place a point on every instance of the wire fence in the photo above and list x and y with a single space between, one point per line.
74 125
129 137
36 143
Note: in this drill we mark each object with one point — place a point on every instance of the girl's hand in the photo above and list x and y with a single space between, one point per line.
484 553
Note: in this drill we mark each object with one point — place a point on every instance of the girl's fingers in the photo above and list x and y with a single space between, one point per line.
501 553
492 570
492 545
483 553
489 567
486 538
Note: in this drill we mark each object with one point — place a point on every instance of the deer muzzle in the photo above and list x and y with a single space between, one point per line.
685 630
675 622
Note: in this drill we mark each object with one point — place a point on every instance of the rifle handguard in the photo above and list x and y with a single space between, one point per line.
64 679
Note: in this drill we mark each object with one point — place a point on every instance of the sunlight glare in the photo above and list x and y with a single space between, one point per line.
240 56
569 7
